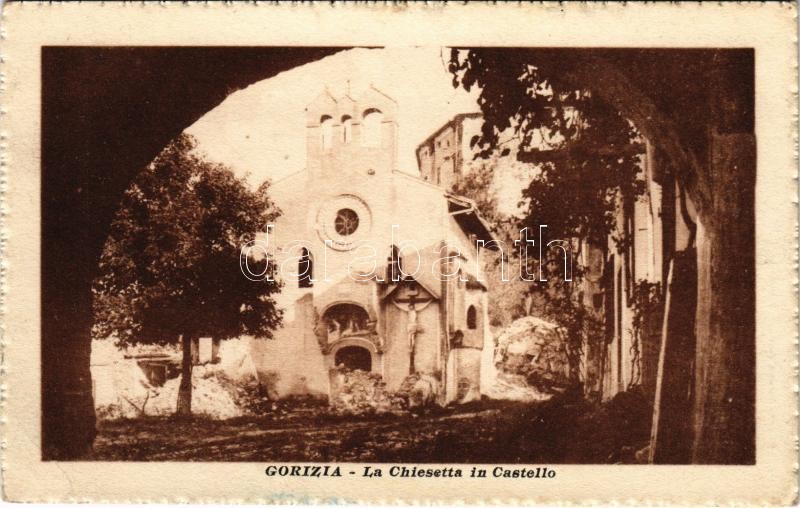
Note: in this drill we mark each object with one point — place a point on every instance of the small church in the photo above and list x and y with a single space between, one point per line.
379 267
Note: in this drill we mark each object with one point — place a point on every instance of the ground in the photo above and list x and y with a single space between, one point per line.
561 430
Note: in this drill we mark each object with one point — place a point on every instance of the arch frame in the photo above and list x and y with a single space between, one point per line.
366 308
372 120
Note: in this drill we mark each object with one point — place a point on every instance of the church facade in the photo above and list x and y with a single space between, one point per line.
380 268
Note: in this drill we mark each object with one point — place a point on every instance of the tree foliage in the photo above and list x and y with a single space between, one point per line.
587 160
171 264
587 154
481 182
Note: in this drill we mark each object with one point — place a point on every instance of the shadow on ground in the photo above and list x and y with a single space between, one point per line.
564 429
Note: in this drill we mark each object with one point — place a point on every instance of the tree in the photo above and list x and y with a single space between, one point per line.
511 298
170 270
586 157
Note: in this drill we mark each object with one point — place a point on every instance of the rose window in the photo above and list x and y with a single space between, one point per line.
343 221
346 222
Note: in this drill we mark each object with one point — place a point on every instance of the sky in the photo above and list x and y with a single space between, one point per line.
260 131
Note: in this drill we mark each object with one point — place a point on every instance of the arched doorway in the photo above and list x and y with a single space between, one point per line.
354 358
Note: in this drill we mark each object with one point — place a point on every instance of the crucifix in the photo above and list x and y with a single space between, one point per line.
412 328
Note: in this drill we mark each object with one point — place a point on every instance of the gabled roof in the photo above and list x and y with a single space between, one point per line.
371 91
462 209
466 214
424 276
323 98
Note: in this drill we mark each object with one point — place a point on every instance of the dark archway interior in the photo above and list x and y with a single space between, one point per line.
354 358
107 112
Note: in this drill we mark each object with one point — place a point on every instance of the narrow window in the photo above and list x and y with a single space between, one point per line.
371 127
472 318
326 131
347 129
394 265
305 269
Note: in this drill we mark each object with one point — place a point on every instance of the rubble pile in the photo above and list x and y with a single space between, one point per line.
535 350
418 391
210 396
227 389
121 388
357 392
514 387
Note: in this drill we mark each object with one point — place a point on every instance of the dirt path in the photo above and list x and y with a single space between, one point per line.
556 431
261 440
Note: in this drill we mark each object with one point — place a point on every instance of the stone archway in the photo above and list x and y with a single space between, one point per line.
87 122
80 136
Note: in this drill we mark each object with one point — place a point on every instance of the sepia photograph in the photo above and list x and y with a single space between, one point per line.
351 253
428 254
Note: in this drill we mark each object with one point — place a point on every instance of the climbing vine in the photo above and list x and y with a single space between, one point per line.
646 304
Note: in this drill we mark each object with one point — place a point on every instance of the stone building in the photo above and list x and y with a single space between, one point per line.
626 285
365 251
442 156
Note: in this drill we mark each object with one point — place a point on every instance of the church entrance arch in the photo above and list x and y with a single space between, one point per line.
354 358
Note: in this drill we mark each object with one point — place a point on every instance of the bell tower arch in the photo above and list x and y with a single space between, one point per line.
346 135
